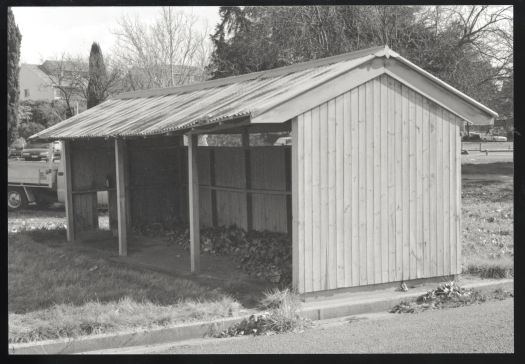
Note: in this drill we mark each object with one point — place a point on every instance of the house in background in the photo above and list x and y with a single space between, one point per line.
45 81
35 84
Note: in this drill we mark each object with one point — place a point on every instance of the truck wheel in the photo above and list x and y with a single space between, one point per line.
16 199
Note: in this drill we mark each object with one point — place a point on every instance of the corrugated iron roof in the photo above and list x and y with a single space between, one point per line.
159 111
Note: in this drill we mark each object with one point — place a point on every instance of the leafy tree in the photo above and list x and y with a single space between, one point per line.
98 77
470 47
259 38
25 130
14 38
36 115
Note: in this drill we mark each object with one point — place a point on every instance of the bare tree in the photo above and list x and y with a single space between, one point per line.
483 30
69 77
172 51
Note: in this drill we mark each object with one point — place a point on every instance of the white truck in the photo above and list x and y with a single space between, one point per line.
38 181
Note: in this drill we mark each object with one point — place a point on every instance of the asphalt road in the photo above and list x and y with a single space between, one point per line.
484 328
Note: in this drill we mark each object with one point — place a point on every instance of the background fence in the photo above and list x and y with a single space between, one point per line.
488 146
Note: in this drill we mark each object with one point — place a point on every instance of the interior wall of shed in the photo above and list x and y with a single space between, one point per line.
92 170
157 172
248 187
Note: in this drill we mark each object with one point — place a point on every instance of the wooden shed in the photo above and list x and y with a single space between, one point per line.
370 188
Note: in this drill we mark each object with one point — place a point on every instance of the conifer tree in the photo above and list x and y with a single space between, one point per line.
14 38
98 78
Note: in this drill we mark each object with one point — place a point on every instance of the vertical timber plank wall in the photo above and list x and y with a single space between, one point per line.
376 189
225 172
158 191
155 179
91 163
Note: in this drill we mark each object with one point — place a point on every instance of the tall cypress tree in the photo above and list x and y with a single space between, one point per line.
14 38
98 77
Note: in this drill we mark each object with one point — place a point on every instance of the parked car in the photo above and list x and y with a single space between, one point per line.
488 137
283 141
510 135
36 151
15 150
472 137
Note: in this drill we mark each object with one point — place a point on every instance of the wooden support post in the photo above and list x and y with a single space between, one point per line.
127 190
248 178
70 213
120 162
193 193
295 209
288 176
213 192
183 211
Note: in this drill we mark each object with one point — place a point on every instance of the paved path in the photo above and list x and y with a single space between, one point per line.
480 328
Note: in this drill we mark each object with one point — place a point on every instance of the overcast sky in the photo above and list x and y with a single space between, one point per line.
47 32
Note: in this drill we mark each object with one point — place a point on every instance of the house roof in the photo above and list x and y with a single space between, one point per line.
37 71
50 66
252 96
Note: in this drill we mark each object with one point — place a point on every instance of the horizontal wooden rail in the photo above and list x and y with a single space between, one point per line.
155 185
244 190
92 190
497 150
215 188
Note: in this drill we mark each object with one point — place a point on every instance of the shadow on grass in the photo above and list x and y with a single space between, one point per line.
78 273
485 268
501 168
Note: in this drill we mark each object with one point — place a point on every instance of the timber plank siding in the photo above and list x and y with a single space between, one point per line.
377 188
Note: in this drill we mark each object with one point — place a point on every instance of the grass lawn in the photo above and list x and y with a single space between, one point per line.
487 219
66 293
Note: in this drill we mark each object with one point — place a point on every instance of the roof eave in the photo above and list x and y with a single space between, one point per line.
443 84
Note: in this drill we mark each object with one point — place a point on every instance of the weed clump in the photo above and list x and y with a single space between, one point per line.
446 295
280 316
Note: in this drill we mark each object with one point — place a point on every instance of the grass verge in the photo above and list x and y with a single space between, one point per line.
503 267
68 321
56 291
487 221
